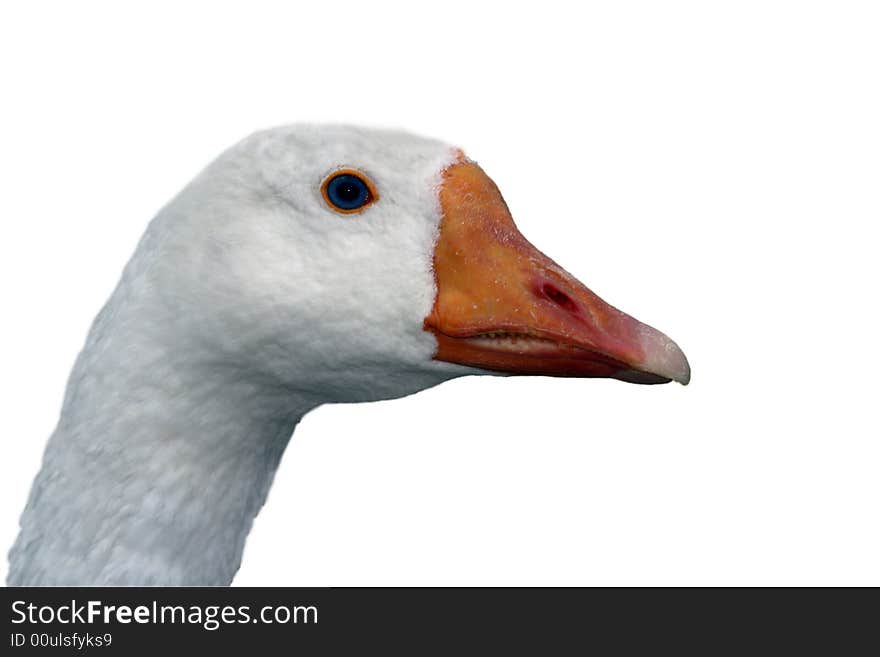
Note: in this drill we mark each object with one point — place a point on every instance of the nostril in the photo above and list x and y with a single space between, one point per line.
560 298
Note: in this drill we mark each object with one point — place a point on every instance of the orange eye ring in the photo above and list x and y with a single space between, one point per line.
348 191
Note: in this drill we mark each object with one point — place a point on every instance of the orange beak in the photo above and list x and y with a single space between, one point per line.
502 305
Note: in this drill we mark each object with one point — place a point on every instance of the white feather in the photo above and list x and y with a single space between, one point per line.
247 303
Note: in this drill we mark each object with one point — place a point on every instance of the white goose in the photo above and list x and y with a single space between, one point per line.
307 264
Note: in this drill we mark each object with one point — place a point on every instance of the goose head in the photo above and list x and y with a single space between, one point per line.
358 264
305 265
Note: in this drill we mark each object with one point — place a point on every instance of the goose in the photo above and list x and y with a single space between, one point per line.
308 264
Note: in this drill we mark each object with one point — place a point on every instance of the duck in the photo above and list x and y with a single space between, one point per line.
306 265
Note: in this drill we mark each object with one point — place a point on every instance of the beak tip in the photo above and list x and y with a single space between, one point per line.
685 378
664 357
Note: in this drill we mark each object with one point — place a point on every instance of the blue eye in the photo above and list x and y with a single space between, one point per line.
348 191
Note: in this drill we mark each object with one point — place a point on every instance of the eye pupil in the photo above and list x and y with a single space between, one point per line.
347 192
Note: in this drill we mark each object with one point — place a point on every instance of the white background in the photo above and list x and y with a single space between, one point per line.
711 168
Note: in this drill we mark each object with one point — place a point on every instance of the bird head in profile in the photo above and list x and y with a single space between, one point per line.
357 264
